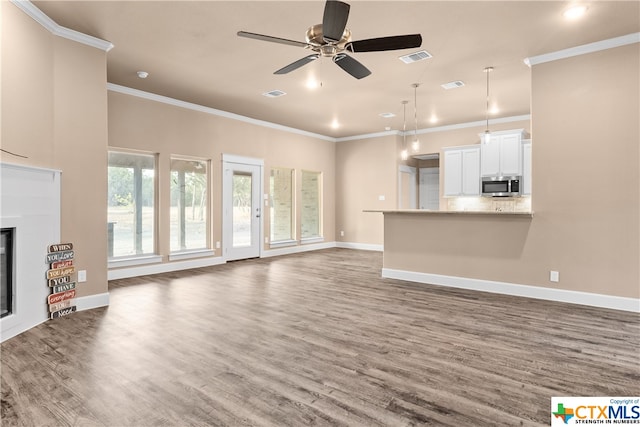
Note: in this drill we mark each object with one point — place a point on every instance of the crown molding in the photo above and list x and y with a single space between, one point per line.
584 49
213 111
369 135
58 30
478 123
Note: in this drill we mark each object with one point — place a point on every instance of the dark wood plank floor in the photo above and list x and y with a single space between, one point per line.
313 339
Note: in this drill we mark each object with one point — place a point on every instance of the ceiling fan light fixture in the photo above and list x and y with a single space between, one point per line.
332 39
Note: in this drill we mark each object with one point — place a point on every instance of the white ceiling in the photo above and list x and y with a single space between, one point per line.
191 51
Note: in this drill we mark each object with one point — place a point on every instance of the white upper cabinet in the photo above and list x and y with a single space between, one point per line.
502 156
462 171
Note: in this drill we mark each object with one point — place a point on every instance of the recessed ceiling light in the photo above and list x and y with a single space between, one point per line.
575 12
274 93
313 84
143 74
433 119
335 124
387 115
453 85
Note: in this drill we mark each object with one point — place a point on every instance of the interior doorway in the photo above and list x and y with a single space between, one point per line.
242 207
429 186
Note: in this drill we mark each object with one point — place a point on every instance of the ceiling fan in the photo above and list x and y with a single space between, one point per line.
332 39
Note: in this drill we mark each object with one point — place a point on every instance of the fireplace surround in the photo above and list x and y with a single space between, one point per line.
30 208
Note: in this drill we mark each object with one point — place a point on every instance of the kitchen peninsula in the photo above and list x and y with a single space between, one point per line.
480 250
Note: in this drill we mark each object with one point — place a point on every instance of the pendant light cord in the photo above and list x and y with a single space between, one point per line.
415 108
404 125
487 70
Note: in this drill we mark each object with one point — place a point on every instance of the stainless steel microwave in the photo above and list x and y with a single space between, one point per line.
502 186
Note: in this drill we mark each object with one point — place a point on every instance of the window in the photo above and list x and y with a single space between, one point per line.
188 216
310 216
131 204
281 213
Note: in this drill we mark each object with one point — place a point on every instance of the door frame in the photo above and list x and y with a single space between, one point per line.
227 233
413 188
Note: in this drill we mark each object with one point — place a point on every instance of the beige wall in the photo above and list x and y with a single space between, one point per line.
54 111
163 129
365 170
586 192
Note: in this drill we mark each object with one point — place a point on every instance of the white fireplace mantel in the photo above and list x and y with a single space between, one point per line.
29 203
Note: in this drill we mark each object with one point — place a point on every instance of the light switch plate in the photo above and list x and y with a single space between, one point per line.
82 276
554 276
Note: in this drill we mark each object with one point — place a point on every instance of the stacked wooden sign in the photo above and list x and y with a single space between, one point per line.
59 279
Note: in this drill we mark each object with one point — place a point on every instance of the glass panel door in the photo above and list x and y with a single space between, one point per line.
241 217
242 209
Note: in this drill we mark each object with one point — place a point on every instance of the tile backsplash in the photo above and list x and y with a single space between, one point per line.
489 204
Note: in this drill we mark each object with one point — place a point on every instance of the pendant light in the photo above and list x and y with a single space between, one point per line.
487 134
404 154
415 145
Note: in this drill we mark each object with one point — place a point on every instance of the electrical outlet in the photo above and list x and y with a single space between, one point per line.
217 245
554 276
341 233
381 197
82 276
266 240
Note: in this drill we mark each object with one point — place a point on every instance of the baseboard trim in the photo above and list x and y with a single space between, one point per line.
297 249
92 301
537 292
360 246
124 273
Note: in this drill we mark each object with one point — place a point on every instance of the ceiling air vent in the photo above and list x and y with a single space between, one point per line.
416 56
274 93
453 85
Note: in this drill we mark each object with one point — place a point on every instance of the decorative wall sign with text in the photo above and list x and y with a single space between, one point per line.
59 279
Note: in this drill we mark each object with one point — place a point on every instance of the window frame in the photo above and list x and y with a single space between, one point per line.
291 240
142 257
320 236
206 250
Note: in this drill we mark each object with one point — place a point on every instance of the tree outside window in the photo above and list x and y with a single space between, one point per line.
281 216
189 214
131 204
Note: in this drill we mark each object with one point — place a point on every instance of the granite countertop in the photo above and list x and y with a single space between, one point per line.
432 212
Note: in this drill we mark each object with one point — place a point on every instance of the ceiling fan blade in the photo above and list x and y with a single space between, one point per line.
299 63
351 66
334 20
271 39
386 43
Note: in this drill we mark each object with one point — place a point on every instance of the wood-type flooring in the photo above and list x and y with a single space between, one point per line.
313 339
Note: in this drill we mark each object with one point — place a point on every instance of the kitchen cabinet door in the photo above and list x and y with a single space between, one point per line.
471 171
510 155
491 157
462 171
502 156
452 173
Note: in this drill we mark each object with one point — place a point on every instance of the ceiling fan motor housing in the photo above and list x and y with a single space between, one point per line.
318 44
